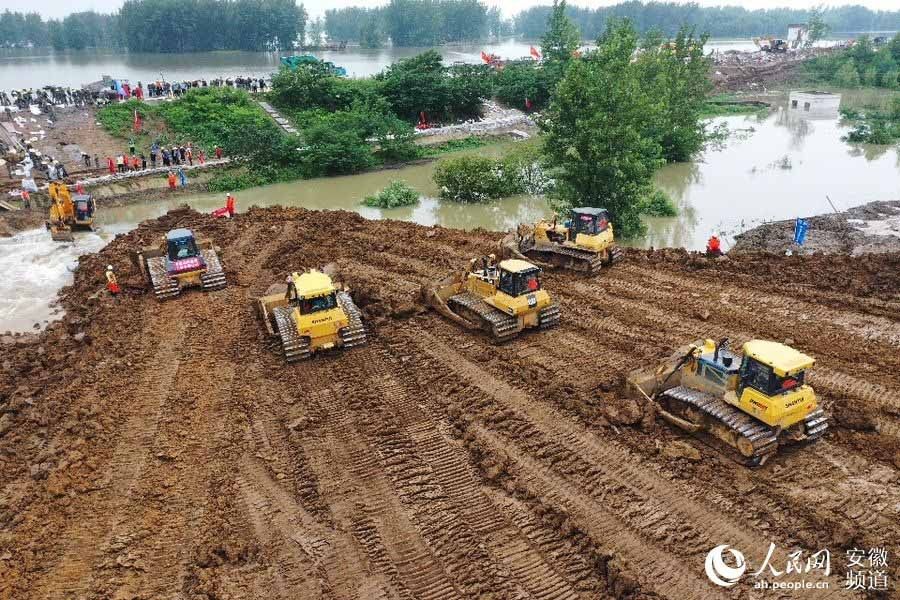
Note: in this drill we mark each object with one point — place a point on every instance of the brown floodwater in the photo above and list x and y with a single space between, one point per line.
777 166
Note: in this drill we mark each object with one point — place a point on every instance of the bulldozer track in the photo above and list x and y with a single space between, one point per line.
355 333
294 346
563 257
214 277
471 307
764 439
169 454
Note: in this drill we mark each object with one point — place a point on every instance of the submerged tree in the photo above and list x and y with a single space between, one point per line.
599 143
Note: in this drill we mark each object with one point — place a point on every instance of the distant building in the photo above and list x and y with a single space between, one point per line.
814 105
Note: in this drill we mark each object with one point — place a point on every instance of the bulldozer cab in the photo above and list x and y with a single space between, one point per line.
84 207
180 244
311 292
588 221
518 277
772 368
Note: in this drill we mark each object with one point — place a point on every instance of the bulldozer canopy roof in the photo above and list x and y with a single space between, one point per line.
177 234
312 284
784 360
587 210
515 265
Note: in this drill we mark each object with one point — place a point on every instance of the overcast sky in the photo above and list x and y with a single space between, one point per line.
60 8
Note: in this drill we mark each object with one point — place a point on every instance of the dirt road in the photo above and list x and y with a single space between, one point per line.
170 453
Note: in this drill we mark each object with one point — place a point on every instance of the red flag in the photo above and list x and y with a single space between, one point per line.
535 53
485 57
137 121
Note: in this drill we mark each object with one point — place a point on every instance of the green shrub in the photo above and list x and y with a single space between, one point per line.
658 204
397 193
521 82
475 179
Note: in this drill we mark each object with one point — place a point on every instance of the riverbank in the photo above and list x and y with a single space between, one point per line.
870 228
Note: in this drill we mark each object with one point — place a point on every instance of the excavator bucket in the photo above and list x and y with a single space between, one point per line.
436 296
61 234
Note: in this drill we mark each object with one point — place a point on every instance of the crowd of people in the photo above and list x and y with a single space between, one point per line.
162 89
174 156
47 97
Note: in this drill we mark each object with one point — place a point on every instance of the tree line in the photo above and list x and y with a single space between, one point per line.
718 21
164 26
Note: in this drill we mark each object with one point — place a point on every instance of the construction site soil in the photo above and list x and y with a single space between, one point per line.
165 450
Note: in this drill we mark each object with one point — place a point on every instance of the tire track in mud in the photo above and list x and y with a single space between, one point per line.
582 461
739 299
433 475
82 551
173 495
376 517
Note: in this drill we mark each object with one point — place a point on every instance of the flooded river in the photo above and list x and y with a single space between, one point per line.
777 166
36 68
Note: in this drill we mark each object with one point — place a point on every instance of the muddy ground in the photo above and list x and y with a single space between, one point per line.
73 131
165 450
870 228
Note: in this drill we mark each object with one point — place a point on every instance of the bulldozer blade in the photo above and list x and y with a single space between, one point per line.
509 248
436 297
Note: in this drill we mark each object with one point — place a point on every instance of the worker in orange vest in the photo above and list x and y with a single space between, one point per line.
171 180
713 247
229 204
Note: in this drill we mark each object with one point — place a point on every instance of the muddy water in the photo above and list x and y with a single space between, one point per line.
36 68
777 166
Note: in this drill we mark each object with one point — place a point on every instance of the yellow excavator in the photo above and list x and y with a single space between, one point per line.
585 242
310 314
181 261
500 298
68 213
750 402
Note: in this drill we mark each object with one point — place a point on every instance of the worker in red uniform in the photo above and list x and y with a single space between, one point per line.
111 165
218 152
171 180
713 247
111 284
229 204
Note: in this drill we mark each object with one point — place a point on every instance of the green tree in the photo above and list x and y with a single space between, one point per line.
817 26
315 36
599 143
370 34
559 43
676 74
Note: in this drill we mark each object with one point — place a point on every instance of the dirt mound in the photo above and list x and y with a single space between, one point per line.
165 450
872 228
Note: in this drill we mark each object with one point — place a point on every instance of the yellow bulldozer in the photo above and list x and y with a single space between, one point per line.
310 314
751 402
181 261
585 242
68 213
500 298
